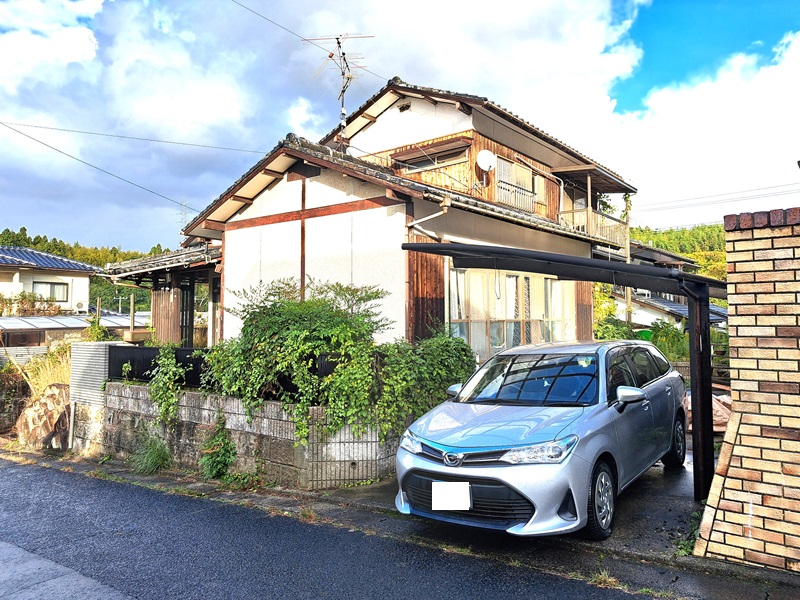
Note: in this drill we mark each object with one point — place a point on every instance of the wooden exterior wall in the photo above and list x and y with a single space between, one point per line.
165 309
466 178
584 303
426 292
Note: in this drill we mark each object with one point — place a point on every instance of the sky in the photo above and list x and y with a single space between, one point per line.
120 120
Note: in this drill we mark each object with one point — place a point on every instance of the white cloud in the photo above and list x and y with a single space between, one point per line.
43 38
303 122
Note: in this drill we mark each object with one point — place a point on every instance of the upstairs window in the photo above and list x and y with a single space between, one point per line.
517 186
432 161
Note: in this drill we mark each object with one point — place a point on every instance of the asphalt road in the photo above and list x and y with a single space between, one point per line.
92 538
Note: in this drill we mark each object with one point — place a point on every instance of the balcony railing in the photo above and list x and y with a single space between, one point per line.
595 223
520 198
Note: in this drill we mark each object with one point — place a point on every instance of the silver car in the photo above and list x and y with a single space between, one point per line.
541 439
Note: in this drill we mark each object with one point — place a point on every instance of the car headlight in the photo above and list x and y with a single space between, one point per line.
547 453
410 443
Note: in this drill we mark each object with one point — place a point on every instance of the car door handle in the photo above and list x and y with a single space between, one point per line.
645 404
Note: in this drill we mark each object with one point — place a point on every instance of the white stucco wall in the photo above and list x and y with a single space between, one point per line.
77 287
359 247
422 121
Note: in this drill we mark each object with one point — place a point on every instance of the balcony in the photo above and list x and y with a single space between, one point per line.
596 224
520 198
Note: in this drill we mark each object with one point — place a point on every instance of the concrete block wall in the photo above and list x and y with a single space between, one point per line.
753 510
267 443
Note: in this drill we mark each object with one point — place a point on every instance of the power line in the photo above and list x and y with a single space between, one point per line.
182 204
130 137
297 35
674 206
672 203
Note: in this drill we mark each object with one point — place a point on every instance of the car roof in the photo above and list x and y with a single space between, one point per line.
600 347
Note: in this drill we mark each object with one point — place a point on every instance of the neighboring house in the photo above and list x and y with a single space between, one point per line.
648 307
59 281
417 164
25 337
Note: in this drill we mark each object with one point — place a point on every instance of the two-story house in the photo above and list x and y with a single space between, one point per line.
418 164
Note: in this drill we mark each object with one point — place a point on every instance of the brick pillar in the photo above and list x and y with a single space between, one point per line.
753 510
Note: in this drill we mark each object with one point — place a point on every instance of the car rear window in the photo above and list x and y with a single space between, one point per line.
536 380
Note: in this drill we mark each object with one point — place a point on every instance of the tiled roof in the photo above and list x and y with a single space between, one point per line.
717 314
396 83
19 256
371 171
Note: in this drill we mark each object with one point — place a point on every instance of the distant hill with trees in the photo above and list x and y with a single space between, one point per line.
99 287
705 244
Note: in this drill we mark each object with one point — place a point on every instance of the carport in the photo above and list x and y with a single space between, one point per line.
696 288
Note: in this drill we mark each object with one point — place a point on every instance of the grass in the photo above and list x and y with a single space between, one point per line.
151 456
604 579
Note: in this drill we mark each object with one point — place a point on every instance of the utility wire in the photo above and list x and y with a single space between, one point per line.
297 35
182 204
130 137
672 206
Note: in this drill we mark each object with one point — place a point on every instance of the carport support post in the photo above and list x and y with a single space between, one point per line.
700 364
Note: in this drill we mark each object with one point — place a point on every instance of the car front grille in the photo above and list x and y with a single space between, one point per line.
494 504
470 458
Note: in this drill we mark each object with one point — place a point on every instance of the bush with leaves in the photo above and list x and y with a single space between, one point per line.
671 340
218 452
285 340
168 376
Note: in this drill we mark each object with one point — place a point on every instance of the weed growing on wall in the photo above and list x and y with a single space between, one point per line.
168 376
218 452
151 455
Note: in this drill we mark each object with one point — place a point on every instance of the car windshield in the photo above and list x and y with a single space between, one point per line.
534 380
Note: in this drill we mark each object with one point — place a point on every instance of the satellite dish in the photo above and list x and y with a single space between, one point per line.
487 160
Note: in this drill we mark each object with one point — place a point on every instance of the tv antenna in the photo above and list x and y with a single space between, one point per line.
344 64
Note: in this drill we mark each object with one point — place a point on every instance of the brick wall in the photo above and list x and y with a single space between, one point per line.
753 510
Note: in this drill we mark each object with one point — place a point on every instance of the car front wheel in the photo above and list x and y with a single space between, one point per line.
676 454
602 498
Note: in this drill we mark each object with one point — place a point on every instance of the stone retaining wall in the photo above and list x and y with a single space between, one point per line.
267 443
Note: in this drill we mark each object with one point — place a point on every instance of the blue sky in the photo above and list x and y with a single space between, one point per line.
693 102
688 39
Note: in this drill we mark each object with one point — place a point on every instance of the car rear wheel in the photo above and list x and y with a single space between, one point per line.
676 454
602 501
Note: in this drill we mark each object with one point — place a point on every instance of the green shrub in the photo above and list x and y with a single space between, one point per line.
168 376
218 451
284 340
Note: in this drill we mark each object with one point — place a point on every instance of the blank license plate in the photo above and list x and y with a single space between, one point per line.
450 495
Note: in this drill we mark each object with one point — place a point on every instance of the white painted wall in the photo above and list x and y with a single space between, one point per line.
360 247
422 121
77 287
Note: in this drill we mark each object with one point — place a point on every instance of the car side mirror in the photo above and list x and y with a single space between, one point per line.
627 395
453 390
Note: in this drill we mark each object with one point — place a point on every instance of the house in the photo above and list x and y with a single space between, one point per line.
647 307
61 284
25 337
421 165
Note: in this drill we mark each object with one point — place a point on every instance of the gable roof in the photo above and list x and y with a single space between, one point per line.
396 89
296 152
22 257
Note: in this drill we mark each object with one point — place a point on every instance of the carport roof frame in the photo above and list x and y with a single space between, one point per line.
696 288
656 279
